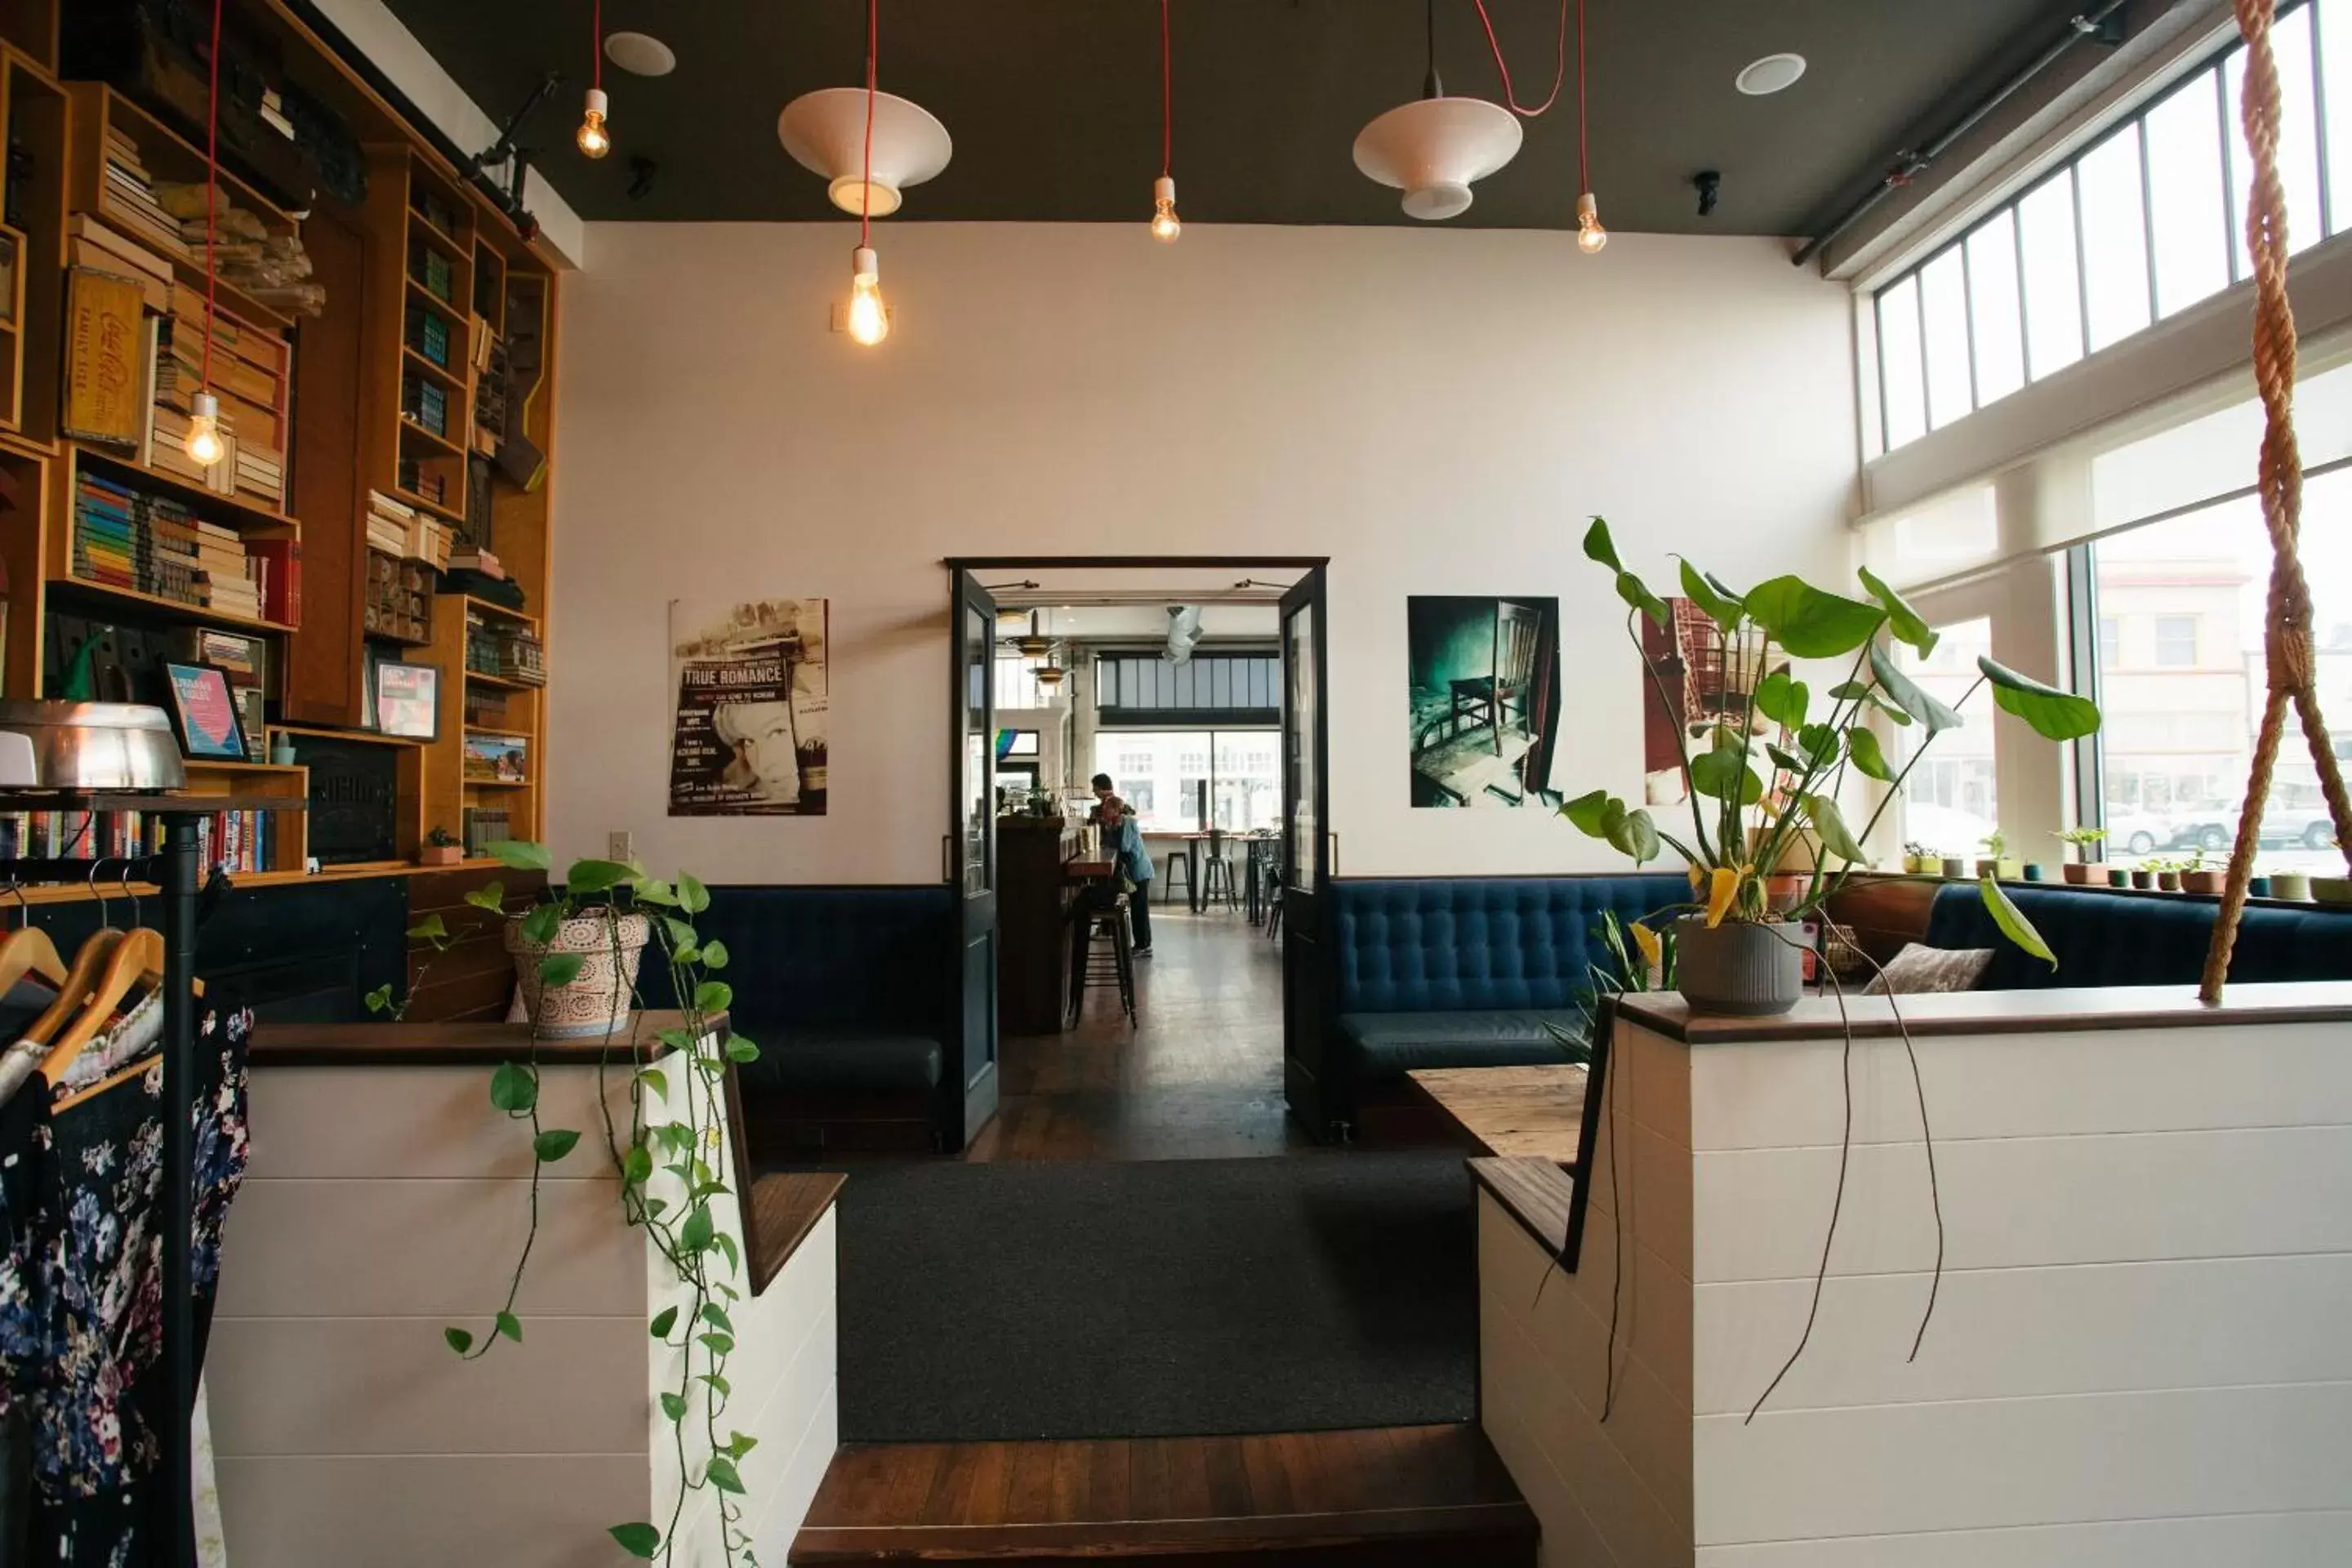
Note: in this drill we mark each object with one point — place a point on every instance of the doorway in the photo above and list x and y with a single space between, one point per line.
1196 686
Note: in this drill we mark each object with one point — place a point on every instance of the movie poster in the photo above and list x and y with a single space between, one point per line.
749 733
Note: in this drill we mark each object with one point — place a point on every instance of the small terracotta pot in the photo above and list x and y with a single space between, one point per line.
2167 882
2079 874
2144 881
440 854
2207 882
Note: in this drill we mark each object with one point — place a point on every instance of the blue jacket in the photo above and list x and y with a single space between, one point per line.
1133 860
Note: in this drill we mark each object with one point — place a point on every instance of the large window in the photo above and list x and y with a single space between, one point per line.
1165 776
2180 616
2145 223
1949 806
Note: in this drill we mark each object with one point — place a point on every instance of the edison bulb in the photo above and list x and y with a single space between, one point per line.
594 139
1165 225
204 446
870 317
1590 236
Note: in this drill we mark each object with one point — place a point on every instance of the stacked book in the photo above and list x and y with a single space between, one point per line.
131 198
388 523
224 571
128 539
484 826
268 265
474 558
504 649
93 244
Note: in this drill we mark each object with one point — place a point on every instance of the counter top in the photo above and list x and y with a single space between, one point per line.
1999 1012
468 1044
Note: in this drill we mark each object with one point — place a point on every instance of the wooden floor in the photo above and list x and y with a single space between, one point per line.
1197 1077
1382 1499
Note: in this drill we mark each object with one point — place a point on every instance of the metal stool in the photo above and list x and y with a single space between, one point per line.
1091 970
1217 875
1180 861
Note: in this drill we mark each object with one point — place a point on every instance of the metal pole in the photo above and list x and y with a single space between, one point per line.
179 1368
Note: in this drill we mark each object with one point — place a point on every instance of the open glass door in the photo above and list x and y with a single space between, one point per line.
1308 977
969 1088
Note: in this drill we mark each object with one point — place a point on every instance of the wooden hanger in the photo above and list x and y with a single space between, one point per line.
30 951
138 960
114 1079
76 987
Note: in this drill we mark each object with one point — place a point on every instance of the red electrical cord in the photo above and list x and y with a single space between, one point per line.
1559 76
1167 109
865 196
211 196
1583 165
596 65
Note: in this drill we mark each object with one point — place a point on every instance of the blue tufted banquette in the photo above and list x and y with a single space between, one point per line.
843 988
1467 972
2106 937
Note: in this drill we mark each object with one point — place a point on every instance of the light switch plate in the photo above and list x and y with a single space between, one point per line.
620 845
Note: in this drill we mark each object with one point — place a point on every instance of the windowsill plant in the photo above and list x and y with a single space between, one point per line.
2081 841
1766 774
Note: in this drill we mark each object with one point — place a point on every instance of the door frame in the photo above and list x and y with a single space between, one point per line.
961 569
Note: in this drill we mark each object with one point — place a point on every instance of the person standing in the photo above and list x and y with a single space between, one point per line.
1122 837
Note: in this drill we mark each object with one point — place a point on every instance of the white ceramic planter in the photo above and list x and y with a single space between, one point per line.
596 1003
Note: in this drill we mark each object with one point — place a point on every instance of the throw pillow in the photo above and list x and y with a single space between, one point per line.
1919 968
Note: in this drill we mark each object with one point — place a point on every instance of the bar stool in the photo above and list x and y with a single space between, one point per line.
1217 874
1180 862
1116 967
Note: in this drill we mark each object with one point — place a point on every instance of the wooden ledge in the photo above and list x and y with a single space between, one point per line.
783 1209
454 1044
2000 1013
1533 1191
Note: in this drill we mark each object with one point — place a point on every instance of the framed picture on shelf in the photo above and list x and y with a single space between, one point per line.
408 699
204 711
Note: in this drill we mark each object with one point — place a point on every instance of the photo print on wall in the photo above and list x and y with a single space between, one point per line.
1484 699
749 733
1705 680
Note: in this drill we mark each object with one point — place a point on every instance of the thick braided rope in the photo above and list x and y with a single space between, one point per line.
2292 678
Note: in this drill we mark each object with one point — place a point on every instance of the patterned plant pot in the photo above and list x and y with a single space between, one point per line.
1740 968
597 1001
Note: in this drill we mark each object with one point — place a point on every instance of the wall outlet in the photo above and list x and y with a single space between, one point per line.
620 846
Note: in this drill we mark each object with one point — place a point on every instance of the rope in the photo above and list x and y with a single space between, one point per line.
2291 672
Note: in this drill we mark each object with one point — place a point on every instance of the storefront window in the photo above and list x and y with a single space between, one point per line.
2180 608
1948 802
1161 773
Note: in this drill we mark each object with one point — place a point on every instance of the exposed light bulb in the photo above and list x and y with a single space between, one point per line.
204 446
1590 236
870 317
594 139
1165 225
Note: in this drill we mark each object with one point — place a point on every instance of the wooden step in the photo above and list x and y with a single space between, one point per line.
1398 1497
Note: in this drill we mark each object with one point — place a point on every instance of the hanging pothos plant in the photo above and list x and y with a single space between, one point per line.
674 1152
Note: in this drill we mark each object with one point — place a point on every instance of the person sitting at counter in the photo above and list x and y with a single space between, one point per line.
1122 837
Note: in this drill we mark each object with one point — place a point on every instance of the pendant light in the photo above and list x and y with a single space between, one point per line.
1590 236
204 446
1165 226
1434 148
595 140
868 144
869 317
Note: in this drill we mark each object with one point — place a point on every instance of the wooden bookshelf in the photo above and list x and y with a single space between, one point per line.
34 119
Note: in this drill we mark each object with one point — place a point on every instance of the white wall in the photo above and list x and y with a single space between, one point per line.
1436 410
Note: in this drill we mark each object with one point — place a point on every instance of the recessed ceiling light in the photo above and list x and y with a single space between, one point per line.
645 54
1770 75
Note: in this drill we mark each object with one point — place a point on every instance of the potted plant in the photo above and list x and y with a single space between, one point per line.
1998 862
1772 763
2332 890
440 849
1919 860
2293 886
2259 886
666 1185
2081 841
2118 877
1955 868
576 955
2196 877
2143 875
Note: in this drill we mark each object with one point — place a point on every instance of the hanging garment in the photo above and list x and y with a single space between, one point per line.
80 1317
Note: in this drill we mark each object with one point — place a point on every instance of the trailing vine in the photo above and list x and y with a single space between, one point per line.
668 1180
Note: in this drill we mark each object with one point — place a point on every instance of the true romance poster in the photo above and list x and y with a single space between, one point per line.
749 737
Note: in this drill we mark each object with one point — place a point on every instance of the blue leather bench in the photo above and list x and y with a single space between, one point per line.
848 991
2104 938
1467 972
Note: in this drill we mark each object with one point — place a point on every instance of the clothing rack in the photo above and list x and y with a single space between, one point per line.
177 872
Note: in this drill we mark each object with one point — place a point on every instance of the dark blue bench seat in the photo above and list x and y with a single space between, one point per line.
1467 972
848 994
2106 937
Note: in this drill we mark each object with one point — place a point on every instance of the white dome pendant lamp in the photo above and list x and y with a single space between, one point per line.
1432 149
869 145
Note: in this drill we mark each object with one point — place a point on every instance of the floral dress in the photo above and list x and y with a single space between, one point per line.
82 1294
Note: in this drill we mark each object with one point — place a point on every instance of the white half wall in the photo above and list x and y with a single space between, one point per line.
1438 410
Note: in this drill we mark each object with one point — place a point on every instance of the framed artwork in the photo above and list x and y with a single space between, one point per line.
408 699
203 710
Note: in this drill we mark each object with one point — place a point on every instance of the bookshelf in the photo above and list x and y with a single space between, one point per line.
420 383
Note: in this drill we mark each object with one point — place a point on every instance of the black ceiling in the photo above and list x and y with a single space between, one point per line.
1054 104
